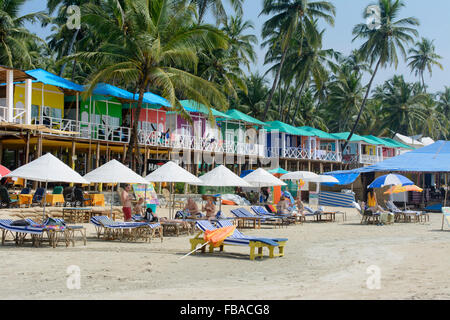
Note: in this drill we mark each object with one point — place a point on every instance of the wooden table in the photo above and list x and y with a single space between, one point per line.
174 228
77 214
52 199
97 199
241 222
26 199
329 216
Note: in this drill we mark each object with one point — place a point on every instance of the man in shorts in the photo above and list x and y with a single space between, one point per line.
126 198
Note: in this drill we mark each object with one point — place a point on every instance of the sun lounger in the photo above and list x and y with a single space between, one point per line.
243 219
366 216
287 218
112 230
237 238
20 233
407 215
318 214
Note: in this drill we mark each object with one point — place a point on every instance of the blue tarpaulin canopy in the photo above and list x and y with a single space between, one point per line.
432 158
344 177
53 80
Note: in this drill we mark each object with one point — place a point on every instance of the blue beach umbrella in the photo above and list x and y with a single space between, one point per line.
390 180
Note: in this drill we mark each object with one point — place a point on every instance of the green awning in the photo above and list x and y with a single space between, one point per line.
279 171
319 133
397 144
381 141
194 106
355 138
286 128
240 116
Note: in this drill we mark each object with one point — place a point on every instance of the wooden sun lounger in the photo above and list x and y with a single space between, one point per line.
254 243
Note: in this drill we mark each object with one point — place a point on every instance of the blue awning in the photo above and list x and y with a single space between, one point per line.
344 177
53 80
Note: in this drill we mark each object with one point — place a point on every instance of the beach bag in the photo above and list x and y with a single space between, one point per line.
20 223
149 216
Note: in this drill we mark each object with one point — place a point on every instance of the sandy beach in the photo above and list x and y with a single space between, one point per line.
322 261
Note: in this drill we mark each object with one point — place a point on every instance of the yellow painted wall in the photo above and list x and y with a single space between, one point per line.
372 150
53 98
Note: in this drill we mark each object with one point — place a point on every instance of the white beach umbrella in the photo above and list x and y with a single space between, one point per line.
222 177
300 175
114 172
172 173
262 178
323 179
46 169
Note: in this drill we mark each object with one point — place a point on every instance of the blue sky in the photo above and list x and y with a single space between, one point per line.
434 24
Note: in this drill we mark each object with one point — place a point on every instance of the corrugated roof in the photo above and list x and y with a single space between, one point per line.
319 133
286 128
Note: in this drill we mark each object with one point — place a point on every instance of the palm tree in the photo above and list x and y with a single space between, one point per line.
423 57
289 17
14 37
444 102
345 94
402 105
382 43
217 8
149 44
241 45
63 40
252 102
311 64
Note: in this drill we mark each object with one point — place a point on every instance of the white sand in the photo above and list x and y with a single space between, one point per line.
322 261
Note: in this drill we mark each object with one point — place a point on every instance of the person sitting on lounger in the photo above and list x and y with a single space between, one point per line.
210 209
282 206
138 208
375 207
191 208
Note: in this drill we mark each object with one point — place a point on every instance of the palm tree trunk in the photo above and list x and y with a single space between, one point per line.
362 105
290 103
69 51
134 143
202 10
275 83
298 103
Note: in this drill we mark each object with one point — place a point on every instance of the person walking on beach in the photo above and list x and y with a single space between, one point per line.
126 198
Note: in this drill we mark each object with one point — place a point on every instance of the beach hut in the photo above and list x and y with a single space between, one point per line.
47 99
203 134
243 132
322 145
284 140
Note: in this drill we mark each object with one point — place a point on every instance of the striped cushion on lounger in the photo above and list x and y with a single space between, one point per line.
6 224
239 235
109 223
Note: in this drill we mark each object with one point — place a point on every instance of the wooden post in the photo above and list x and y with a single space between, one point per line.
97 156
309 165
145 161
